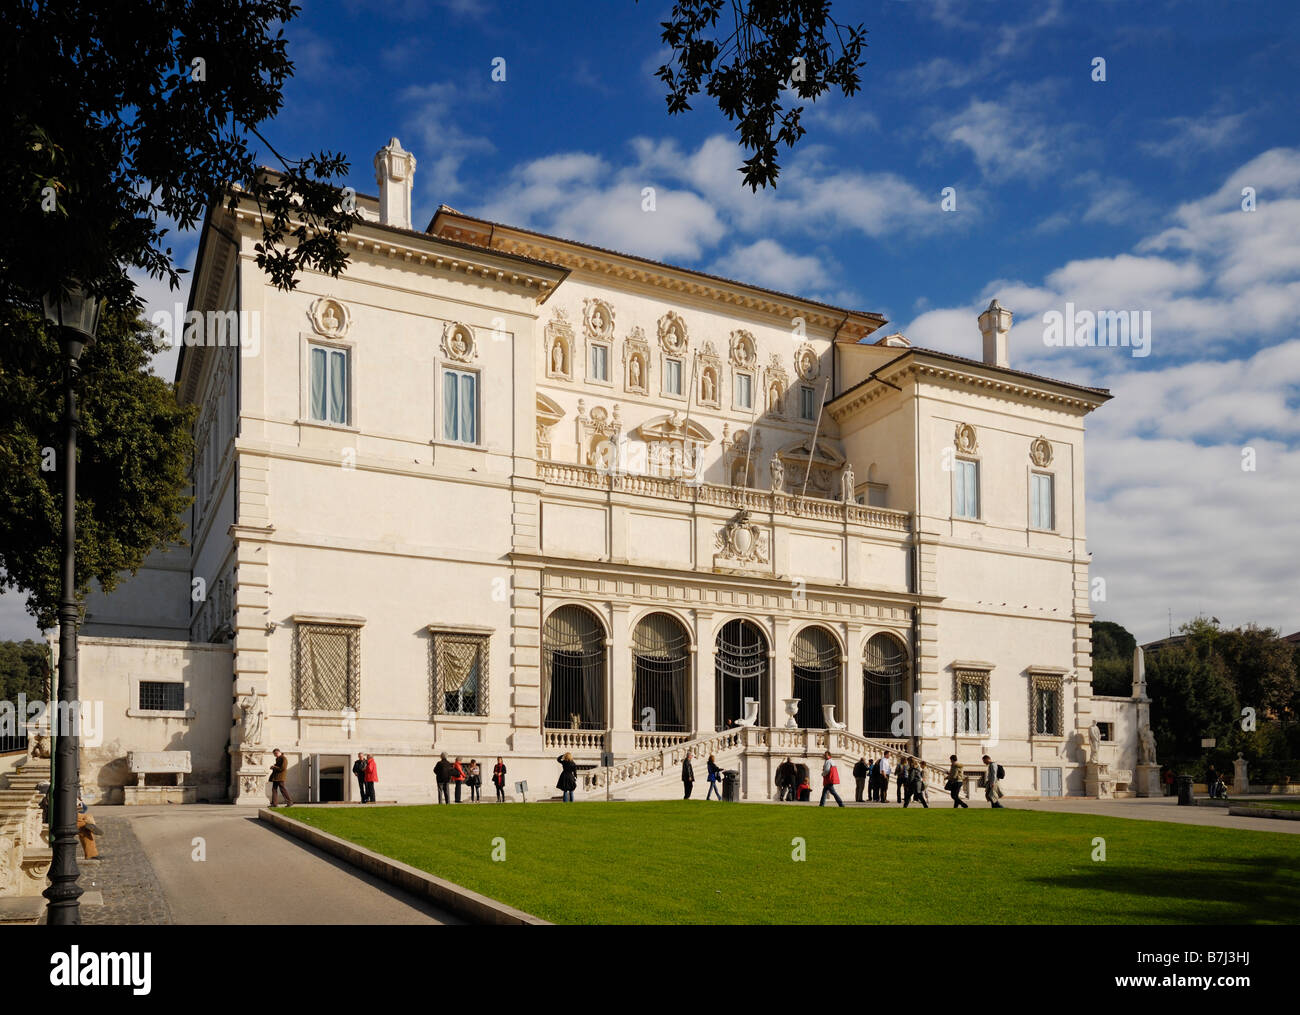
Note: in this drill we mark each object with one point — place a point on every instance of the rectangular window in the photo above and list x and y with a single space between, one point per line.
1045 695
599 363
460 673
807 410
972 705
966 489
1041 496
160 696
744 391
328 396
673 377
327 667
460 407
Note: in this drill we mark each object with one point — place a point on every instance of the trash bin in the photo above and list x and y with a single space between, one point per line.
1184 791
731 785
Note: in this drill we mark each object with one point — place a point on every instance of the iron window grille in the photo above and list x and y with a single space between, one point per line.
741 668
1046 696
971 698
815 669
660 654
460 673
162 696
327 667
573 665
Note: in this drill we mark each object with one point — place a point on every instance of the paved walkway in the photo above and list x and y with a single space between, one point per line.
252 874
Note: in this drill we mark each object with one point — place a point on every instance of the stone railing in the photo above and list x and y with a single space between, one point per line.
575 740
842 742
740 498
645 742
667 759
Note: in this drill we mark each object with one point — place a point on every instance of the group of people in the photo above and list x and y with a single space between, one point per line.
1216 784
367 773
688 778
458 774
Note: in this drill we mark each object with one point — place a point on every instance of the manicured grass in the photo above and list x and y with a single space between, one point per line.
1270 805
692 862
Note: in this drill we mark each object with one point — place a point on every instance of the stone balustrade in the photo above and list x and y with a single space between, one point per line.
575 740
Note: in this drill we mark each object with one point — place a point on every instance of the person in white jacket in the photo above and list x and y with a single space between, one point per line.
992 790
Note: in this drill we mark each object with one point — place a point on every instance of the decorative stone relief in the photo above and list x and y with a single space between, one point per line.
1040 452
741 459
458 343
597 432
549 412
775 385
672 334
598 319
743 349
330 318
741 542
636 362
250 714
710 377
965 440
559 346
806 363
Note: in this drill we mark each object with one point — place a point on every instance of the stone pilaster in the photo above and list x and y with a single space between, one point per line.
706 689
619 655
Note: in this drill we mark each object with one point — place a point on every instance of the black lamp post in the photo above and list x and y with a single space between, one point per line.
76 314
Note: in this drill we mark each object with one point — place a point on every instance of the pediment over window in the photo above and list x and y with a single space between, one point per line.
673 427
549 411
826 454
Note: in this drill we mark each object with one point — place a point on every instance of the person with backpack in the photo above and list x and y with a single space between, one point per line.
830 779
499 780
995 774
916 785
955 782
715 776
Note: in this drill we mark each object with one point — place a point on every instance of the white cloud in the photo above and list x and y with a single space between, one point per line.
767 263
1190 136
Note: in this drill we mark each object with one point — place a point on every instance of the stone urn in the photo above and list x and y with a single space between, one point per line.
791 709
828 712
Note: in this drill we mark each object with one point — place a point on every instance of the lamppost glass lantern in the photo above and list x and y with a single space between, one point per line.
76 313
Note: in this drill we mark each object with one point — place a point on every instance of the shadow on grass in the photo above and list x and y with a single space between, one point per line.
1259 889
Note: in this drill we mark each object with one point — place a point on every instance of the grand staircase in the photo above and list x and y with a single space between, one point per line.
25 854
657 774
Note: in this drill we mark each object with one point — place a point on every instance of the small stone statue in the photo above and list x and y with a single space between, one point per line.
777 468
557 358
40 747
250 707
1146 745
634 372
1094 742
847 484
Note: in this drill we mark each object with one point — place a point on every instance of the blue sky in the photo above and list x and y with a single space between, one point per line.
1122 194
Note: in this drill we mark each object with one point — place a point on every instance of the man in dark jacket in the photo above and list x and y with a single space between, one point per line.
359 770
688 777
860 778
442 773
785 780
278 772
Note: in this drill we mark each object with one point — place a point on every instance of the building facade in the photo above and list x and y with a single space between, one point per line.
497 493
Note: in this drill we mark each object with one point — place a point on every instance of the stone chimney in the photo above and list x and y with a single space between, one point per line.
995 325
394 172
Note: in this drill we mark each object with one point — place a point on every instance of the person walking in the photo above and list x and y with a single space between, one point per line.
475 782
1211 781
785 780
859 779
830 779
992 791
499 780
442 773
885 770
372 777
278 772
359 770
715 776
688 777
568 777
955 782
916 784
901 778
458 777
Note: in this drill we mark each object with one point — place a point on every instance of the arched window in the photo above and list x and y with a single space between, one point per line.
884 680
660 653
815 665
573 665
741 667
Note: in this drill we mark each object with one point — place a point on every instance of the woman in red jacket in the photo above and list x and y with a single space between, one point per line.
499 780
458 777
372 777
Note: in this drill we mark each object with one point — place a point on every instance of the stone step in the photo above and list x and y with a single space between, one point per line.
23 909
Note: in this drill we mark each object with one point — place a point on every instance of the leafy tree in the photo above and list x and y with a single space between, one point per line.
773 46
24 669
1191 698
1263 667
1112 658
134 452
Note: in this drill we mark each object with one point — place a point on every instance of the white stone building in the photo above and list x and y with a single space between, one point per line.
498 493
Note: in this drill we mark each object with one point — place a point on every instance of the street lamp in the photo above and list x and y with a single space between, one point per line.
76 315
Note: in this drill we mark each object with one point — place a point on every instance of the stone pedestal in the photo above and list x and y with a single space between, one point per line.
248 774
1240 779
1098 782
1147 780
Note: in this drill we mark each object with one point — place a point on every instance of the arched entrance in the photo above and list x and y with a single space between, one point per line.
573 665
660 665
884 681
741 667
815 670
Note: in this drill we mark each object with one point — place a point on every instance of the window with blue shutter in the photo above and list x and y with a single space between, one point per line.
460 406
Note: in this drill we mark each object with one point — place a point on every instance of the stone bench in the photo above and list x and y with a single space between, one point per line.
143 764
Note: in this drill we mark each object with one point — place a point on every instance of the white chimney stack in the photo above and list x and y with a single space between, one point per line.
394 172
995 325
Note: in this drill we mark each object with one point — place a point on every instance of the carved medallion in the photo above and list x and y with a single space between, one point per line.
672 333
740 541
458 342
743 349
1040 452
965 440
598 319
806 364
330 318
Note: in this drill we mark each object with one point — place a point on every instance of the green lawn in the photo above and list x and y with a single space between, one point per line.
1272 805
692 862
